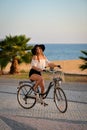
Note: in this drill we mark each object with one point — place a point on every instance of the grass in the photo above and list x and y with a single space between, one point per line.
75 78
16 76
67 77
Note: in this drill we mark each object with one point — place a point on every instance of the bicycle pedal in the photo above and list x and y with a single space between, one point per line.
45 104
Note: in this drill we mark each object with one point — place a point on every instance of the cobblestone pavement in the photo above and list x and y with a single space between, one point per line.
14 117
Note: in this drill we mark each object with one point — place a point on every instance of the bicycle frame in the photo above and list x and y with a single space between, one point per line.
54 82
51 84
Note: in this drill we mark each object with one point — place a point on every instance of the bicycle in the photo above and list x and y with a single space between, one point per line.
27 98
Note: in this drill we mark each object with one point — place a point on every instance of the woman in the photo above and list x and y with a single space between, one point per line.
39 62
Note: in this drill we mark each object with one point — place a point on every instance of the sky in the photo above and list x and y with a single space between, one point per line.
45 21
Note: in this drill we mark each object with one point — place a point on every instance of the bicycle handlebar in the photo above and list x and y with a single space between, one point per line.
52 69
56 72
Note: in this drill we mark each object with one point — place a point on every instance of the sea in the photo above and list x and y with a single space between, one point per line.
64 51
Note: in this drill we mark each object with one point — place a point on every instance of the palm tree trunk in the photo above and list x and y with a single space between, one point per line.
14 66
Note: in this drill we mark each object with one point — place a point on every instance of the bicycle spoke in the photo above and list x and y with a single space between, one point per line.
26 97
60 100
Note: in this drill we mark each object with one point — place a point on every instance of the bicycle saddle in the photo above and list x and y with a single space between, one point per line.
27 82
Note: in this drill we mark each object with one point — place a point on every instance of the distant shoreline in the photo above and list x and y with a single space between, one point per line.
68 66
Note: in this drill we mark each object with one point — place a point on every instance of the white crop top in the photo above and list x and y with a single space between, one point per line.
40 64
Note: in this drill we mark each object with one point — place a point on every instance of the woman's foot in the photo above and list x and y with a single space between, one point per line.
44 103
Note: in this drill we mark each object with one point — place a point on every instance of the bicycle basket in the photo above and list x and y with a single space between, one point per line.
59 75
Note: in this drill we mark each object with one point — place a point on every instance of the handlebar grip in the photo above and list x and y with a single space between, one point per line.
59 66
44 70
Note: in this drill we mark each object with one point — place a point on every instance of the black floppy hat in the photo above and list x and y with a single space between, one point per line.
34 48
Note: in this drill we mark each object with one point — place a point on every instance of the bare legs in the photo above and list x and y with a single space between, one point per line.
39 81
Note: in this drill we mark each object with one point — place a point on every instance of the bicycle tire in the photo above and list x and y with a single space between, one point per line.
26 97
60 100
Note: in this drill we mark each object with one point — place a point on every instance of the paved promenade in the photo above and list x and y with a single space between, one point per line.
14 117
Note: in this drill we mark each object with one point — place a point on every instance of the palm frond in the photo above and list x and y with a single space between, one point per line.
83 58
84 65
84 52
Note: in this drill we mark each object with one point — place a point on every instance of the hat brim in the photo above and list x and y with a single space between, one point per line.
34 48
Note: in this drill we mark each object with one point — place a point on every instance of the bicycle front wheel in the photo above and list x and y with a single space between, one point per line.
60 100
26 97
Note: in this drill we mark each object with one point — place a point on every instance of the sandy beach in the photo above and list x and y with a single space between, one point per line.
71 66
68 66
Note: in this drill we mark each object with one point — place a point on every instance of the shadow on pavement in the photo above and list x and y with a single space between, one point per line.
15 125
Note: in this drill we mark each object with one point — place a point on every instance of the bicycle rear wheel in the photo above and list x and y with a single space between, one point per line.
26 97
60 100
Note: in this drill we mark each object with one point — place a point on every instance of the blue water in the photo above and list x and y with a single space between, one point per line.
64 51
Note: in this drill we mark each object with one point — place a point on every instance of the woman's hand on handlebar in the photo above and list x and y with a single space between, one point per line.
51 68
59 66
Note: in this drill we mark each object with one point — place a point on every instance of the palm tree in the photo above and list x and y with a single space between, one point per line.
15 50
84 66
4 58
